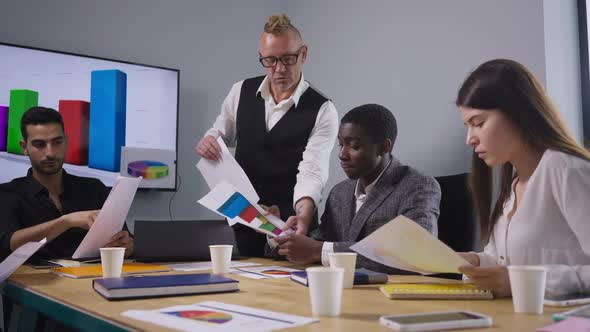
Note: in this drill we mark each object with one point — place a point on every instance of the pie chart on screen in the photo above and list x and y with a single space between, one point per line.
213 317
148 169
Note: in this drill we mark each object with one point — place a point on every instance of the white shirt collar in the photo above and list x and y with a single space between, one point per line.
264 90
358 194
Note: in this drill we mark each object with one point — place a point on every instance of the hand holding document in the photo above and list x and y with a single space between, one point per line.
225 200
110 219
403 244
18 257
227 169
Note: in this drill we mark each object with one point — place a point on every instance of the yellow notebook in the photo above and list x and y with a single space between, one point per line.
435 291
91 271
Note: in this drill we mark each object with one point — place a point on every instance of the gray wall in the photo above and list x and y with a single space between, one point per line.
408 55
412 56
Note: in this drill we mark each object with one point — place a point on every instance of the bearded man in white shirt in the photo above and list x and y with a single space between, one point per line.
283 130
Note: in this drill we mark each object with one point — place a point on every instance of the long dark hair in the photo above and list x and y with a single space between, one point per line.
509 87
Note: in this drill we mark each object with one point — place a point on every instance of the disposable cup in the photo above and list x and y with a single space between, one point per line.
221 257
325 290
347 261
528 288
111 260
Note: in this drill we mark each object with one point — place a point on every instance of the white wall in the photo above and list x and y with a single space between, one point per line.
410 56
562 56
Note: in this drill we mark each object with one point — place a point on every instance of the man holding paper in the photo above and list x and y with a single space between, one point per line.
283 130
48 202
379 188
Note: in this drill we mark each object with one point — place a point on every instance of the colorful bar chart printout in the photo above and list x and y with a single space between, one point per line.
225 200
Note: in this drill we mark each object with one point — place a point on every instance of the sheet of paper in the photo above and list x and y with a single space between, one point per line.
199 266
254 276
403 244
274 272
217 316
110 219
225 200
18 257
227 169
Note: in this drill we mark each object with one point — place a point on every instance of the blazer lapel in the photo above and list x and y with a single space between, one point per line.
380 192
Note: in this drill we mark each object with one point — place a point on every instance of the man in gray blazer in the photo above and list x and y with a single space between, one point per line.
379 188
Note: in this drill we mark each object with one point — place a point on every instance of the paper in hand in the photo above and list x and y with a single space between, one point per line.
18 257
225 200
403 244
227 169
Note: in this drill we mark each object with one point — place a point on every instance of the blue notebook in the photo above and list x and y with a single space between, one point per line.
163 285
361 277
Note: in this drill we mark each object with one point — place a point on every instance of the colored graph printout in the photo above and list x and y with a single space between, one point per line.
274 272
213 317
202 317
224 199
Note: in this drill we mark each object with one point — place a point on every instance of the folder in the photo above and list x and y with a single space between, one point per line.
92 271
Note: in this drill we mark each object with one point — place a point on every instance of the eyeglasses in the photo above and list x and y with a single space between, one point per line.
287 59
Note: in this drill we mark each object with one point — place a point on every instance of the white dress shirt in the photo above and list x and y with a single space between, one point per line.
314 167
551 225
360 195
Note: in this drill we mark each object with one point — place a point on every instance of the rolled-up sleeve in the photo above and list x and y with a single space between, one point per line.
315 165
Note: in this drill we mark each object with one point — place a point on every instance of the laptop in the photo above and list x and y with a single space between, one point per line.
180 240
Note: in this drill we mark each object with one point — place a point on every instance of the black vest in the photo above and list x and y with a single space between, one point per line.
270 159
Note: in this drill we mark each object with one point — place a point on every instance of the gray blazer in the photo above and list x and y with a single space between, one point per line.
400 190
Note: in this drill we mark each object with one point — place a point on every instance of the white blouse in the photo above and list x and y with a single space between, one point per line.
551 225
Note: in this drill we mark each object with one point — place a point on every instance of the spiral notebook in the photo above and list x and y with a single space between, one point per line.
435 291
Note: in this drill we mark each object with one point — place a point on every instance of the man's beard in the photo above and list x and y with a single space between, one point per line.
40 168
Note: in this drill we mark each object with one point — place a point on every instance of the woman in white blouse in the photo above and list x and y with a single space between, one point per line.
542 213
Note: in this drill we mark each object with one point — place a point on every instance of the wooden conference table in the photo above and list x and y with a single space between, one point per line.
74 301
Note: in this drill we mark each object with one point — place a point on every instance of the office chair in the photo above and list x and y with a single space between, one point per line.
456 223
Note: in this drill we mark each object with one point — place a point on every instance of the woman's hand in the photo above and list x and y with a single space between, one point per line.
494 278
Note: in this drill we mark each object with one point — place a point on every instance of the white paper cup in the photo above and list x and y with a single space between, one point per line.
528 288
347 261
220 257
325 290
111 260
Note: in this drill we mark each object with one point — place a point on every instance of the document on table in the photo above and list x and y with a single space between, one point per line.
225 200
110 219
274 272
217 316
227 169
18 257
199 266
403 244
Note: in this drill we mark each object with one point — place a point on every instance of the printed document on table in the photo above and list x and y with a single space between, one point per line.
227 169
110 219
214 316
18 257
403 244
199 266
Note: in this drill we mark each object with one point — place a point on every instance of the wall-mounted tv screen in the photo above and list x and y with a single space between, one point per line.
120 118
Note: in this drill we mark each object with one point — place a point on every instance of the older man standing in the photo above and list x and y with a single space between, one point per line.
283 130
